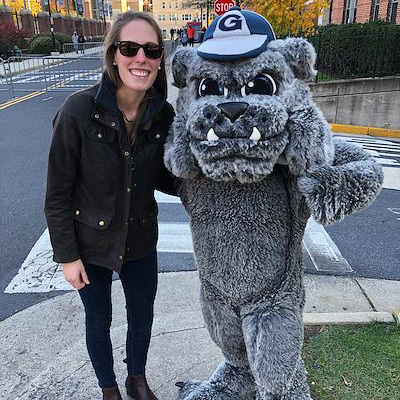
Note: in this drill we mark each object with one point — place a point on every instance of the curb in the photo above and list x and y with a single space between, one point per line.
354 318
365 130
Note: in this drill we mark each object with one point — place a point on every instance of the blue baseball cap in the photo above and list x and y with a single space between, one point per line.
235 35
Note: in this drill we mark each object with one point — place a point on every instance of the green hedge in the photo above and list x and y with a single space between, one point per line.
357 50
43 45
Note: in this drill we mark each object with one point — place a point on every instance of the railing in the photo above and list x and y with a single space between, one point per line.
87 48
356 56
54 73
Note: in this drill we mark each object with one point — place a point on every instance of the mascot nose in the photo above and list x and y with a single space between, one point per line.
233 110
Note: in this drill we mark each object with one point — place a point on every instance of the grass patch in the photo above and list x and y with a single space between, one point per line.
354 363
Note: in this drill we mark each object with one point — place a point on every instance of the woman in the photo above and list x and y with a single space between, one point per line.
105 161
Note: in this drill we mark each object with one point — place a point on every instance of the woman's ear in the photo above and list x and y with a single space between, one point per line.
180 64
299 54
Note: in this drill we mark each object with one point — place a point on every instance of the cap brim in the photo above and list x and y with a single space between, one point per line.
233 48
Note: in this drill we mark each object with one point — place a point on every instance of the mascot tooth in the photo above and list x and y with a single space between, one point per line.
249 199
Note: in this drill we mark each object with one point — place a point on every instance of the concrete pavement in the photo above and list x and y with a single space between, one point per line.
43 353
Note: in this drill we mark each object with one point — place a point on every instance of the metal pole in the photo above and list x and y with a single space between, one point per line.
53 39
207 16
104 17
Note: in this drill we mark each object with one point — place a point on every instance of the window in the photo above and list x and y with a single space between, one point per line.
350 12
392 10
173 17
163 4
161 17
375 10
186 17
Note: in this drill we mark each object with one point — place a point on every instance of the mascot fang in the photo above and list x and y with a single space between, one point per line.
256 158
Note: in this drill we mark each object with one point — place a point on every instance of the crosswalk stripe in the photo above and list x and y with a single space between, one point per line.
39 273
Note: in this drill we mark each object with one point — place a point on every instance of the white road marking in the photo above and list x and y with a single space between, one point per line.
39 273
391 178
322 250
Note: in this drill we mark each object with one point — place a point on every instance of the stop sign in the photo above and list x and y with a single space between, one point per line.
222 6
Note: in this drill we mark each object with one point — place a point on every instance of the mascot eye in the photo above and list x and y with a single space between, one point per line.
263 84
209 87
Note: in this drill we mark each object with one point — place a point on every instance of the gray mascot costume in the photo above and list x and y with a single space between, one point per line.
256 159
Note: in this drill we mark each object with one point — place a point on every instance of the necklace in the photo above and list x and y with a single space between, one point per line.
126 119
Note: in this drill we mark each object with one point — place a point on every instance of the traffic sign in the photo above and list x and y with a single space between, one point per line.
222 6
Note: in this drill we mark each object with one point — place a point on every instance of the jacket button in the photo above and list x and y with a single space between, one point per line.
77 212
97 116
99 135
158 136
128 190
120 257
128 249
126 153
101 223
113 123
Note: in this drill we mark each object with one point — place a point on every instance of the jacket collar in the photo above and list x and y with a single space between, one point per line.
106 99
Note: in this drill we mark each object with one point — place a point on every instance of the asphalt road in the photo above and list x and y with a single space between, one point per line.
368 240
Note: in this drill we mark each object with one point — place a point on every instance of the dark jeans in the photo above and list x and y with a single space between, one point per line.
139 280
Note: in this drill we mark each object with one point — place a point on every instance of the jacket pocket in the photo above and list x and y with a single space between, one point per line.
100 222
100 134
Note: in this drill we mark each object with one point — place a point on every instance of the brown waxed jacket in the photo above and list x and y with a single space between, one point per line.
98 187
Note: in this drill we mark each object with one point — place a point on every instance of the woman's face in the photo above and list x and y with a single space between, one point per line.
138 72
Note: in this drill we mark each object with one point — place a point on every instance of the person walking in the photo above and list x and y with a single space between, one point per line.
81 41
74 38
190 35
105 161
184 38
172 34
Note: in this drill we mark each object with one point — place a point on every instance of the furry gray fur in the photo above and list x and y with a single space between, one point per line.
249 202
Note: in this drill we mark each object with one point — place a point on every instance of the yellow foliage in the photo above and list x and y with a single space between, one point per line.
289 16
17 5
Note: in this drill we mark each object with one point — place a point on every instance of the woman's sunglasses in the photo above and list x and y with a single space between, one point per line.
130 49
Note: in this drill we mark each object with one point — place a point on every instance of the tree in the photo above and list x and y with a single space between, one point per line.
18 5
289 16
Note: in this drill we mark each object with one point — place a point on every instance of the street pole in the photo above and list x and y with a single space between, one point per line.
207 16
53 39
104 17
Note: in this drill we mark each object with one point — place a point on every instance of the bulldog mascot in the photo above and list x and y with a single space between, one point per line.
256 159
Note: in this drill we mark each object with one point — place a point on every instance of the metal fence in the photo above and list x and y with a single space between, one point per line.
358 56
87 48
24 74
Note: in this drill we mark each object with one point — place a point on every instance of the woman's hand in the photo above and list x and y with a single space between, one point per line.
75 274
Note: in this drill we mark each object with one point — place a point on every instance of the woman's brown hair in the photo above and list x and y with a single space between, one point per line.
113 35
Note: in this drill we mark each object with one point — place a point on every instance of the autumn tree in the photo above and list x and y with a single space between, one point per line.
17 5
289 16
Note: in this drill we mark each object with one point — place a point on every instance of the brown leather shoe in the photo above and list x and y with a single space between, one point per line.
138 389
111 393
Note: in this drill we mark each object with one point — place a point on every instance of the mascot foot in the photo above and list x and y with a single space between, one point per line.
204 390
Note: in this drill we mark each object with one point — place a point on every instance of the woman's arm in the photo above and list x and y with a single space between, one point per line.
64 159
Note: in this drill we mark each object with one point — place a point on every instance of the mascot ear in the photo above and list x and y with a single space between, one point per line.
299 54
180 64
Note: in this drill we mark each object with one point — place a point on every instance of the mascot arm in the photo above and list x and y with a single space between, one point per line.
350 184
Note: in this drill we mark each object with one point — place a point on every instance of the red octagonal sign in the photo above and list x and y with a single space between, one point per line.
222 6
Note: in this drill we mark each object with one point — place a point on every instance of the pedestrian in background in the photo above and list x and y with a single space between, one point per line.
190 35
74 38
172 33
106 159
81 41
184 38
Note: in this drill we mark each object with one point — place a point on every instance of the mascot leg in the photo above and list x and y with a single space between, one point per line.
233 379
274 338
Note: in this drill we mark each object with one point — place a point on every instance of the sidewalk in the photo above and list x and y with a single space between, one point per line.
43 353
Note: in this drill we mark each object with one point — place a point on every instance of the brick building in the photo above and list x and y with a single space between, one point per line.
348 11
170 14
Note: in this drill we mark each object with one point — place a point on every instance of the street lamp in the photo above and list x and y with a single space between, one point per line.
53 39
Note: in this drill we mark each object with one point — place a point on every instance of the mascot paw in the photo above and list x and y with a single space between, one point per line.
323 192
203 390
